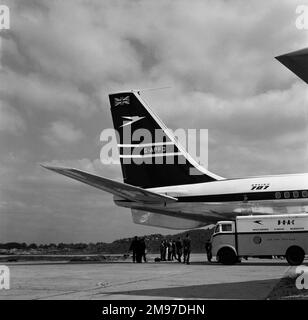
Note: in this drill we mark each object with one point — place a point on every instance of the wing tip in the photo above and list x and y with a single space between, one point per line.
48 167
54 168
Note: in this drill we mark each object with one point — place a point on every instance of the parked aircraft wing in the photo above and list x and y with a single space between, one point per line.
123 190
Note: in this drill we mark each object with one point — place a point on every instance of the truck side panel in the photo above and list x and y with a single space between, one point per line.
270 243
278 223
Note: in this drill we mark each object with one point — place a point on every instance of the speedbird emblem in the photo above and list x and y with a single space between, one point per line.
131 120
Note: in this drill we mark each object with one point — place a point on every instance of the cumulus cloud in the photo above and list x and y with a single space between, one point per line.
36 92
10 120
62 132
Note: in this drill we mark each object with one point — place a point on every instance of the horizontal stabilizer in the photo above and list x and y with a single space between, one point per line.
123 190
297 62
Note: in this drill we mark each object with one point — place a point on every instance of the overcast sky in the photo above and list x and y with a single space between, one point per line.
60 60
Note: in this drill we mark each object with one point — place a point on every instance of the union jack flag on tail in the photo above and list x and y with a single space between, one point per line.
121 101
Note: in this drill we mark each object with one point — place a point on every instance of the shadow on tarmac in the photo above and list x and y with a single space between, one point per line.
245 263
254 290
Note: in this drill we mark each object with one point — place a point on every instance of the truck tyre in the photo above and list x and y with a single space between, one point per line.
227 256
295 255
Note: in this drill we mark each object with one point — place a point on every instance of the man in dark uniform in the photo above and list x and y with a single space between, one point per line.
173 250
143 248
134 247
169 249
179 247
187 248
208 249
162 250
165 250
139 250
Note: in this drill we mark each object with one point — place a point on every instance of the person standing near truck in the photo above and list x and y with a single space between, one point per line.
173 250
169 249
179 247
208 249
162 251
187 248
134 247
143 249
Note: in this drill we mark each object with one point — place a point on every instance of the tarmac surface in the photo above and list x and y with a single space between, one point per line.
252 279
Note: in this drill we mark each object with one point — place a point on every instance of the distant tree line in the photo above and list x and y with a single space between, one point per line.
198 239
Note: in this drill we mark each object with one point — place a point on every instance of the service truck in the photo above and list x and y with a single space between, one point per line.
261 236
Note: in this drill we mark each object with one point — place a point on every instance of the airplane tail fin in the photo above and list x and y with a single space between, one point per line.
150 155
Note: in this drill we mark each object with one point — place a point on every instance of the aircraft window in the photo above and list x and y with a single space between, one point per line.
226 227
305 193
287 194
278 195
295 194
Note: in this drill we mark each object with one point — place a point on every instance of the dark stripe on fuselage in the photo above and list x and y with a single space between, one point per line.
248 196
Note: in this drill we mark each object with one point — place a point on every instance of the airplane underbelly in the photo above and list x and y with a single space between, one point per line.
185 215
241 208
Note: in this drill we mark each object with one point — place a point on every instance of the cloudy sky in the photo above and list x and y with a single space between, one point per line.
60 59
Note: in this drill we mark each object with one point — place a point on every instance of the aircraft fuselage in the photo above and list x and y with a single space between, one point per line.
225 199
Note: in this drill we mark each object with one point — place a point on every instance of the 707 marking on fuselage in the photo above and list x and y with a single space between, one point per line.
260 186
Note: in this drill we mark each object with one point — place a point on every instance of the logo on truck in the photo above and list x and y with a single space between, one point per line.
257 240
286 222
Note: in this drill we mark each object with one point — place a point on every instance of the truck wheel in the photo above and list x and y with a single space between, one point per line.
227 256
295 255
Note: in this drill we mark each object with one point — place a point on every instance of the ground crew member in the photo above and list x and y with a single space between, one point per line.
179 249
173 250
187 248
162 251
139 251
165 250
133 247
143 248
208 249
169 246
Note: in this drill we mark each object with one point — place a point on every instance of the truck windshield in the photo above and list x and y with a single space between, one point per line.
226 227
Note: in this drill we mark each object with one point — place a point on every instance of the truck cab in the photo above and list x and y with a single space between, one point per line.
223 242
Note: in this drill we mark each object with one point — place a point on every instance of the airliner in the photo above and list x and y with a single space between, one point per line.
164 186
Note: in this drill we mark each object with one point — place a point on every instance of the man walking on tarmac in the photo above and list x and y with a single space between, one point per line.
134 247
187 248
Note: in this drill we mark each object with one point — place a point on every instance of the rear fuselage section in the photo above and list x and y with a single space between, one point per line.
211 201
